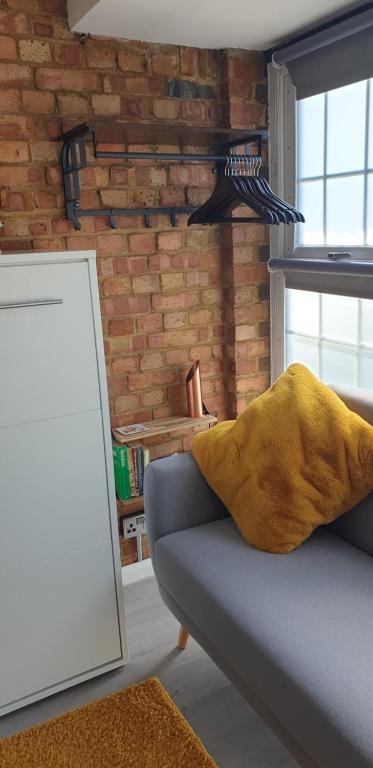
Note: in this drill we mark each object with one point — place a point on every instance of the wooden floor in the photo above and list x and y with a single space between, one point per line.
230 730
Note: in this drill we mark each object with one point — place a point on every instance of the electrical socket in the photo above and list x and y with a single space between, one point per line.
133 526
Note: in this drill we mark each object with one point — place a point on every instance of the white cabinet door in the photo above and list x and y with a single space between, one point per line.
48 355
53 489
58 620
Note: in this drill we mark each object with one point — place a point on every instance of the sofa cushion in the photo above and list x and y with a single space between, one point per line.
295 459
298 629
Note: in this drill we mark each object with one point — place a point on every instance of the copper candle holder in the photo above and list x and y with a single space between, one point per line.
194 394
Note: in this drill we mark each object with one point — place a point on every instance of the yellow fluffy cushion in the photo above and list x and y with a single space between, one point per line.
295 459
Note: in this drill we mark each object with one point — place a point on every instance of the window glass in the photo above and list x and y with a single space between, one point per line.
331 335
310 199
345 210
335 150
310 117
344 153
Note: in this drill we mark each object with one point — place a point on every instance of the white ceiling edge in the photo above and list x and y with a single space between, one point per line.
201 23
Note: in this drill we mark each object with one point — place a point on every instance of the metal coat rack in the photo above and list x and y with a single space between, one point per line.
74 159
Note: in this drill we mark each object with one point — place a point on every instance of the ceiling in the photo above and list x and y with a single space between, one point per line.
201 23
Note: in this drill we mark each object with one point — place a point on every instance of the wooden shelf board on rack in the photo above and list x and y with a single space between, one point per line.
130 506
122 131
164 426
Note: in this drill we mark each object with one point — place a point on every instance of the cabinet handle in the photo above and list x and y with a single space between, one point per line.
36 303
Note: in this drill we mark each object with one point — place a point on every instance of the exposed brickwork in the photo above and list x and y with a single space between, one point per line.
168 295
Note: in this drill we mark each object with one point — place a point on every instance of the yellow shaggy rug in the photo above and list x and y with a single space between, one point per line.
139 727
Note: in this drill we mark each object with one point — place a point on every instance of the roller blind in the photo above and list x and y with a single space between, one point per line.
337 55
321 276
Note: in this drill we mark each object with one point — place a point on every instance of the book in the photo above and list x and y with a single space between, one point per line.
121 473
131 470
131 429
145 457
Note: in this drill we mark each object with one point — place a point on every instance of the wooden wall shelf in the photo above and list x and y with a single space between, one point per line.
165 426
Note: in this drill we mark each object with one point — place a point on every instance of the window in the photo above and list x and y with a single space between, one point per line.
335 167
331 335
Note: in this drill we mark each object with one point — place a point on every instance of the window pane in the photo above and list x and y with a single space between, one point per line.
345 211
367 322
366 371
303 312
338 364
300 349
346 128
310 136
370 204
339 318
310 202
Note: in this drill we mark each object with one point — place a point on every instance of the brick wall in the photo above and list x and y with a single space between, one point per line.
168 295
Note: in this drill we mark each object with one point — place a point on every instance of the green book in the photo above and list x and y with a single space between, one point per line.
121 472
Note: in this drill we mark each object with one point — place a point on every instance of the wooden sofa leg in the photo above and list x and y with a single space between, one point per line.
183 638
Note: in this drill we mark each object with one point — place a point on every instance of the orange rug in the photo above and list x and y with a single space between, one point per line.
139 727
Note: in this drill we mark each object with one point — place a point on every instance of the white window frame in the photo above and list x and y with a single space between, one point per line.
283 179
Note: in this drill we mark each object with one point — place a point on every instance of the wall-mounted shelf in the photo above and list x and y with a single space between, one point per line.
74 157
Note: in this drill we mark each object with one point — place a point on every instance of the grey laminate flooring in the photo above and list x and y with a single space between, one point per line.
230 730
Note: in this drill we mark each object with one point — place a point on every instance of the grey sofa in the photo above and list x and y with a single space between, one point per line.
294 633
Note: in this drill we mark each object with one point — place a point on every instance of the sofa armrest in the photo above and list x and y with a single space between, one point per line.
176 496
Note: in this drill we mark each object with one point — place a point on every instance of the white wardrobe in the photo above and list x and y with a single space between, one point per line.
61 603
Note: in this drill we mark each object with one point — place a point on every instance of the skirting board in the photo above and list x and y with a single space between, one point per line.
137 572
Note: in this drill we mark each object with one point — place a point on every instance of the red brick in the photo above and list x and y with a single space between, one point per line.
150 379
175 320
189 61
9 100
149 323
118 176
141 243
177 356
166 109
123 365
68 55
66 80
111 245
13 23
197 279
248 67
114 198
104 104
170 241
99 56
145 284
44 151
150 361
17 201
137 107
153 397
125 403
14 151
171 281
122 327
177 300
165 64
33 101
20 176
57 7
200 317
17 75
182 175
130 61
72 104
8 49
37 51
116 285
243 115
45 199
195 111
115 84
